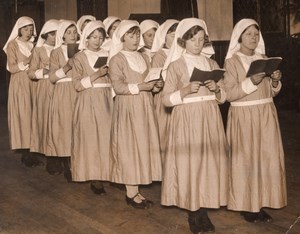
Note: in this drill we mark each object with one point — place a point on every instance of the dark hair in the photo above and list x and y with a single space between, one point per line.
45 35
101 30
172 28
112 25
72 25
133 30
255 25
19 30
190 33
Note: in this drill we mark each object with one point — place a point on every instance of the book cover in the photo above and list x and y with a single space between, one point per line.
267 65
199 75
154 74
72 49
101 61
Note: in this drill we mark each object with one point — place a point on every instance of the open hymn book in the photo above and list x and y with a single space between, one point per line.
154 74
200 75
267 65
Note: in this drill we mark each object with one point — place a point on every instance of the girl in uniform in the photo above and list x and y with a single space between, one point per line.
63 98
82 22
257 171
110 23
195 167
18 49
39 73
135 154
93 110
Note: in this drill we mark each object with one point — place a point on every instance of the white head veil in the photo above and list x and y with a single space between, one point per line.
82 19
49 26
145 26
89 28
21 22
238 29
62 27
109 21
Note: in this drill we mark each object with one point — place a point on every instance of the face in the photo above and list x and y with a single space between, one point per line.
113 28
51 38
250 39
148 37
70 35
195 44
95 40
131 41
26 32
169 39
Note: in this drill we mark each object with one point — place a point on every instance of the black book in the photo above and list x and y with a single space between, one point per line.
101 61
72 49
199 75
267 65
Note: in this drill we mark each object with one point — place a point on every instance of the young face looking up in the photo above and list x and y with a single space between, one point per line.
249 40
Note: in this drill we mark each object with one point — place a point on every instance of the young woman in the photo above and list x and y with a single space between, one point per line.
93 111
110 23
257 172
63 98
148 29
82 22
39 73
18 49
135 155
163 40
195 167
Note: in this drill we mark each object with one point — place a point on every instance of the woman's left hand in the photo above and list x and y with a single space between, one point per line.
276 75
160 83
212 86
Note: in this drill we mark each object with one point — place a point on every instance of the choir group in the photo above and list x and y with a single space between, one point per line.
107 123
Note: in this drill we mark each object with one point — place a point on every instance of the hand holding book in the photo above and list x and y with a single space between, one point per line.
100 62
266 65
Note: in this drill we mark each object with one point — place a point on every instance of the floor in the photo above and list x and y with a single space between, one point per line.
31 201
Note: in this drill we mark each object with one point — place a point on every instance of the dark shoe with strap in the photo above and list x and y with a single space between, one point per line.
264 217
148 202
193 220
204 223
138 205
97 188
251 217
54 165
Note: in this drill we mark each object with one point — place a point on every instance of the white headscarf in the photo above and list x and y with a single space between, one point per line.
239 28
21 22
161 33
145 26
184 25
123 27
49 26
109 21
82 19
62 27
89 28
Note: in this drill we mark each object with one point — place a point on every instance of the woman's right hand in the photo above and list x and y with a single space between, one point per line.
146 86
193 87
257 78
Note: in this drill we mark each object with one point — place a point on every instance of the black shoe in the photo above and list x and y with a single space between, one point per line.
54 166
148 202
141 205
118 186
192 220
203 222
251 217
97 188
30 160
264 217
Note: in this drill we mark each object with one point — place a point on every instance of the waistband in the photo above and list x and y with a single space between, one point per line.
252 103
102 85
68 79
198 99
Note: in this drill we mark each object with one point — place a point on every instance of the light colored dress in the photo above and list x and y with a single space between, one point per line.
61 106
195 167
163 113
135 150
19 96
91 122
257 171
41 98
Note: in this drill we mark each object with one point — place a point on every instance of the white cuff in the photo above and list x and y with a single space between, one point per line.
133 88
223 96
277 89
46 76
60 73
86 82
39 74
22 67
175 98
248 87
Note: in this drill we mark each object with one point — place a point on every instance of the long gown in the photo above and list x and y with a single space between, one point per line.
195 167
257 171
135 150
